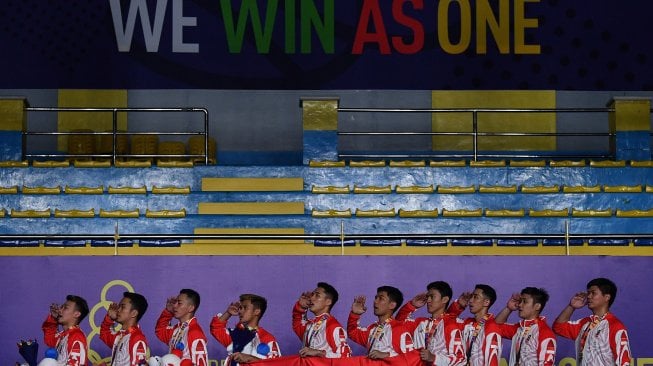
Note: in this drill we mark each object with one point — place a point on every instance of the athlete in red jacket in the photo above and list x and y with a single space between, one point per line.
533 341
322 336
247 342
386 337
439 337
186 335
600 339
70 343
128 345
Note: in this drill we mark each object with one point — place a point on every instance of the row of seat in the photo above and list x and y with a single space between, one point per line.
481 189
104 163
90 213
481 163
95 190
565 212
482 242
92 243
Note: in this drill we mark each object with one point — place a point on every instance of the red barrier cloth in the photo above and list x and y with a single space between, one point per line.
408 359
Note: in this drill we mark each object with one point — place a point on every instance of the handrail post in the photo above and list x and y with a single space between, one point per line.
114 136
475 131
206 138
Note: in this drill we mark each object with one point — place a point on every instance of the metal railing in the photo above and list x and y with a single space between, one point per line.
115 133
476 134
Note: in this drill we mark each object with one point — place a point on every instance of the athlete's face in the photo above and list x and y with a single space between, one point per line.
383 306
183 308
68 315
125 311
478 301
320 302
435 303
248 314
527 308
596 300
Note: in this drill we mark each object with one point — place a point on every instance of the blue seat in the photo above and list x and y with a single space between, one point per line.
333 243
381 243
609 242
643 242
426 242
517 242
561 242
19 243
64 243
472 242
111 243
166 243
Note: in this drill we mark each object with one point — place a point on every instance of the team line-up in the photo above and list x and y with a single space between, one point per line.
441 339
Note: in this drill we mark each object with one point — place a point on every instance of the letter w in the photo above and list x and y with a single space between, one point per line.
235 34
125 32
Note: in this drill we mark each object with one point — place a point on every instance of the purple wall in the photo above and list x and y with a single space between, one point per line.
30 284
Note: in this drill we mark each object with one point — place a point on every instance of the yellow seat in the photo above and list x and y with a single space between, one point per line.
105 145
171 148
504 213
527 163
330 213
415 189
174 163
100 163
14 164
74 213
134 163
607 163
367 163
591 213
497 189
30 213
456 190
622 189
462 213
641 164
330 190
171 190
196 147
447 163
540 189
127 190
123 214
41 190
51 164
487 163
634 213
581 189
407 164
326 164
84 190
3 212
165 214
9 190
549 213
567 163
418 213
83 144
376 213
373 190
144 145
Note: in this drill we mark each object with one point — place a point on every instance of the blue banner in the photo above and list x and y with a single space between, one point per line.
327 44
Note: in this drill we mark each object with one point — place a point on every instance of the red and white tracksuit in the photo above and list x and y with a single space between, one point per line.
222 334
70 343
482 341
606 342
324 333
533 342
443 334
390 336
188 333
128 346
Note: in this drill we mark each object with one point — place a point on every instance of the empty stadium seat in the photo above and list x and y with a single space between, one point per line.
111 243
160 243
19 243
333 243
64 243
380 243
561 242
472 242
517 242
426 242
609 241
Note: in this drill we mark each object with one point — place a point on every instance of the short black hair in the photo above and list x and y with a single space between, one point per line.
394 294
442 287
139 303
488 292
606 286
258 302
80 305
539 295
330 291
193 296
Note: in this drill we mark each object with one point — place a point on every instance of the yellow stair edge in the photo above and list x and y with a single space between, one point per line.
251 208
9 190
92 163
447 163
581 189
30 213
326 164
540 189
418 213
415 189
622 189
330 190
462 213
330 213
123 214
549 213
367 163
51 164
174 164
127 190
14 164
634 213
487 163
607 163
74 213
498 189
456 190
567 163
373 189
376 213
591 213
407 164
83 190
41 190
133 163
171 190
168 214
252 184
527 163
504 213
